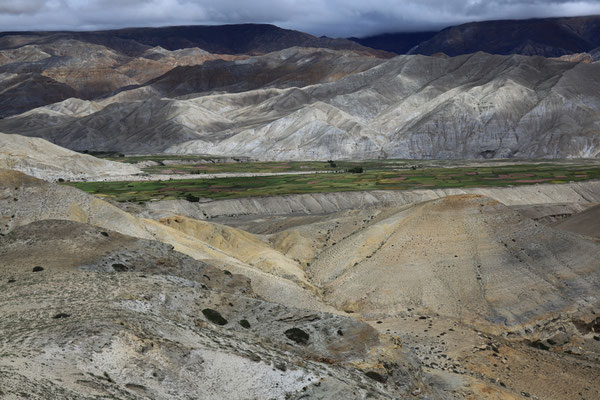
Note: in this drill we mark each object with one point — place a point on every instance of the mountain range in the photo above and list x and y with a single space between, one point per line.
548 37
324 104
273 94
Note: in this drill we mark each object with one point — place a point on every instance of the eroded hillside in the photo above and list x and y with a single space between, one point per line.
319 104
414 301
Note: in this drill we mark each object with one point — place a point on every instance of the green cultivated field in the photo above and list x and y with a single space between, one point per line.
378 175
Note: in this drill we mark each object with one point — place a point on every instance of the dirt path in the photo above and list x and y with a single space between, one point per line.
166 177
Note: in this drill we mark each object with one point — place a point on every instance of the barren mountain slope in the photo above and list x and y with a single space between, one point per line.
106 315
24 91
468 257
224 39
24 199
549 37
399 43
59 68
474 106
465 298
292 67
240 244
584 223
42 159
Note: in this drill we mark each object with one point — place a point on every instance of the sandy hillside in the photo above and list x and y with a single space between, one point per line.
89 323
468 257
584 223
42 159
24 199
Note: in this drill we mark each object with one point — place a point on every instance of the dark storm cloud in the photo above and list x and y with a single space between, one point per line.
320 17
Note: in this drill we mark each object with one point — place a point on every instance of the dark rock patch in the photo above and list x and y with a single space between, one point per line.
37 269
61 315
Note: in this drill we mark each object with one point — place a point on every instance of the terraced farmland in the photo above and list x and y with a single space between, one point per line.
370 179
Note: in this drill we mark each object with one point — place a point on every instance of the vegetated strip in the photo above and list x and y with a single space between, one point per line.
429 178
201 164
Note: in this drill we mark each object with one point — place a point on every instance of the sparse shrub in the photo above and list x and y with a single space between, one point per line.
107 377
120 267
297 335
214 316
191 198
356 170
376 376
281 366
245 324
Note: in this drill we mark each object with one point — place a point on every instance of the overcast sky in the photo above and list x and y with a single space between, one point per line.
336 18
